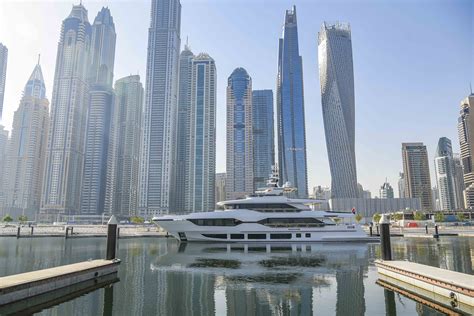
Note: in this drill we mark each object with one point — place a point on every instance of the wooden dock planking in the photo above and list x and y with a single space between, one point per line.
29 284
450 284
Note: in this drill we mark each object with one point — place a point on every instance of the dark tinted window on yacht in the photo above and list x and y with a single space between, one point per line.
215 222
269 207
220 236
257 236
280 236
307 235
292 222
298 235
236 236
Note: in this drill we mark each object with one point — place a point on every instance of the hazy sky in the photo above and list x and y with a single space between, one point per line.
413 63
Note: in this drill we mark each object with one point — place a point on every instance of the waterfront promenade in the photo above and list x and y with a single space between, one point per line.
126 231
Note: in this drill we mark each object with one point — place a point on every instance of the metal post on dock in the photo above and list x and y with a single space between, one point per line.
426 228
18 232
32 227
436 235
67 232
377 226
370 229
111 238
72 230
384 224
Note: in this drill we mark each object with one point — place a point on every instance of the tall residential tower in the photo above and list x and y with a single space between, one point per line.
446 175
337 97
290 109
263 140
416 172
122 190
158 155
27 150
183 137
3 74
202 159
65 152
466 141
239 153
100 115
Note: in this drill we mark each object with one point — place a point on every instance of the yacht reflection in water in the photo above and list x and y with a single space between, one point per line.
262 279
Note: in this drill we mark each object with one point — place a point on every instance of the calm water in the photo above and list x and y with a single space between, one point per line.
161 277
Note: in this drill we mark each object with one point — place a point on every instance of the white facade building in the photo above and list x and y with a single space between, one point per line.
65 152
336 75
27 149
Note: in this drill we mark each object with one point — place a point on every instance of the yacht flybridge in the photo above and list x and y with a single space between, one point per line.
266 216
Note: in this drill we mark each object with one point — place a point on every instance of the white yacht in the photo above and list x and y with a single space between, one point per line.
267 216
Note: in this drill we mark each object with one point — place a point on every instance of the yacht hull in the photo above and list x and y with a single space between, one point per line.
184 230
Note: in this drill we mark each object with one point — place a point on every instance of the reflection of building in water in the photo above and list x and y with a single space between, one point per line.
185 293
247 300
350 289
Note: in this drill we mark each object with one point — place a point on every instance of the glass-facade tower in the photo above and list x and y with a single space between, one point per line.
290 109
3 74
239 159
263 140
183 136
202 168
159 128
100 114
337 97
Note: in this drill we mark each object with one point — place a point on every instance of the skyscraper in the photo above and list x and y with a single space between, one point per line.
239 154
417 174
183 139
337 97
100 114
157 156
263 141
65 153
458 181
3 74
386 191
122 190
220 187
202 168
290 109
466 141
445 175
3 166
401 185
27 150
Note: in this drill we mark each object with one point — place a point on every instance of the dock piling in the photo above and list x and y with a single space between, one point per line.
18 231
436 235
111 238
31 233
385 237
370 230
67 232
378 232
426 228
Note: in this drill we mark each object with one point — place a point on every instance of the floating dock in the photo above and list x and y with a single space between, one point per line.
449 288
23 286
